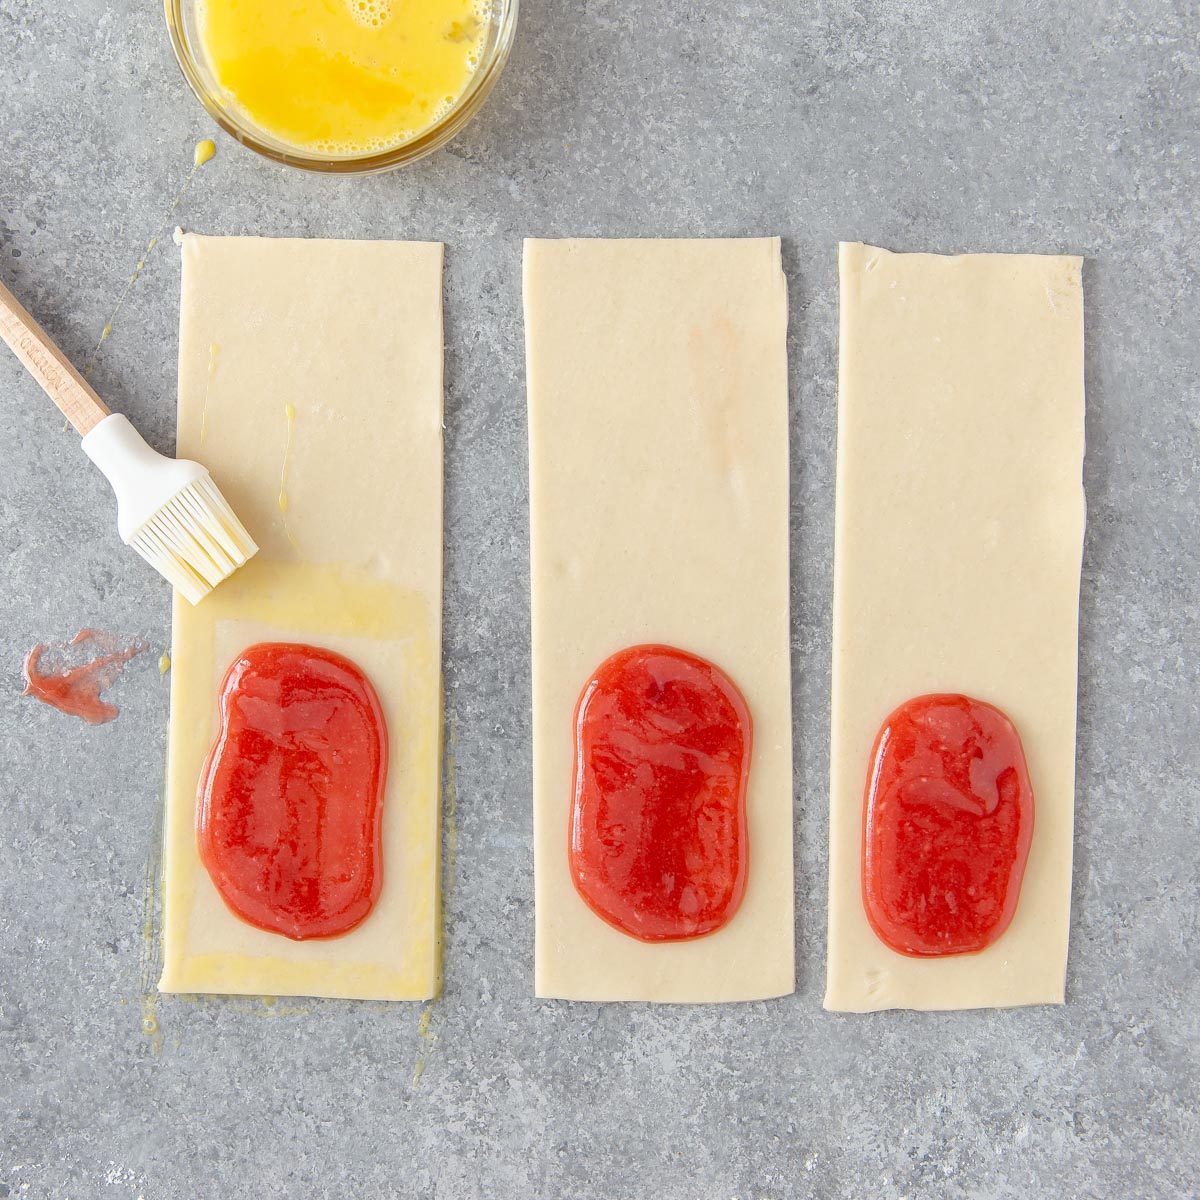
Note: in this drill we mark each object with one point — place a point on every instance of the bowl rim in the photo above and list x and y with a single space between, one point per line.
425 143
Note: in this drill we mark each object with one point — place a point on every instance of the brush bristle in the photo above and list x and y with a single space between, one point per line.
195 541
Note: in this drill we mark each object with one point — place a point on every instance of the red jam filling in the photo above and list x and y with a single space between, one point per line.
658 844
947 824
77 690
291 797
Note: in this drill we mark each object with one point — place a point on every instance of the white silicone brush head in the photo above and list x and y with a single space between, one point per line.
169 510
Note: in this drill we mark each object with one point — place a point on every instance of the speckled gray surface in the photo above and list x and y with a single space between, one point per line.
1063 126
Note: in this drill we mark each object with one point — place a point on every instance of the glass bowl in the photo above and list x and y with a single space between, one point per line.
184 26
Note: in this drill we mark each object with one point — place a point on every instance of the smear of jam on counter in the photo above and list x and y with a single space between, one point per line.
76 690
947 823
658 842
291 796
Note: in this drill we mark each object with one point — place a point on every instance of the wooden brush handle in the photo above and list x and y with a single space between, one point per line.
49 366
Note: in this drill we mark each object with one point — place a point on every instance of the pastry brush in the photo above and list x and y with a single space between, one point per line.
169 510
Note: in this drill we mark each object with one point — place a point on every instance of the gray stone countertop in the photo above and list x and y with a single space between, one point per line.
1055 125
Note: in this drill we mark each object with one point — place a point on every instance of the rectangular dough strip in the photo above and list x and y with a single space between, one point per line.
658 435
959 534
310 382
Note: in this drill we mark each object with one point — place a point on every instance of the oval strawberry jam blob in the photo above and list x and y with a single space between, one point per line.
947 824
291 797
658 821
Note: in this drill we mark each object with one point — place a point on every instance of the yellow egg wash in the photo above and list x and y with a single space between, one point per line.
203 153
343 77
